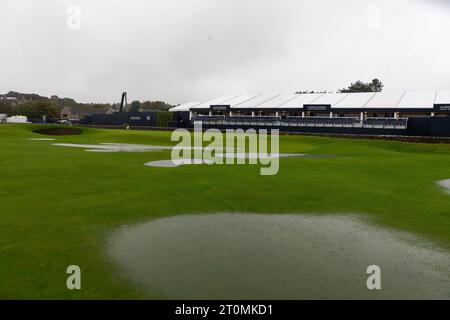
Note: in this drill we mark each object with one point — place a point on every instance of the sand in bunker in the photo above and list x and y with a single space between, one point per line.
59 131
279 256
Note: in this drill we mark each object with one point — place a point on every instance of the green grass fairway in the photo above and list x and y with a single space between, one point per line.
58 205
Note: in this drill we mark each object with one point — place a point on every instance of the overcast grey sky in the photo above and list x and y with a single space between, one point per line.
189 50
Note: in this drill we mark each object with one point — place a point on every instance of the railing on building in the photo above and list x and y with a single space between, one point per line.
338 122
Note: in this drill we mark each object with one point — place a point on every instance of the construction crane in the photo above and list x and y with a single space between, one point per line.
124 102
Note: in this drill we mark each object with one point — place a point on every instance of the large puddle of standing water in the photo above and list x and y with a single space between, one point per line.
278 256
445 184
123 147
229 153
220 156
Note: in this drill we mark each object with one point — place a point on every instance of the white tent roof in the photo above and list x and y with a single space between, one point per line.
184 107
242 99
258 100
442 97
17 119
330 98
278 101
355 100
369 100
417 99
302 99
386 99
217 101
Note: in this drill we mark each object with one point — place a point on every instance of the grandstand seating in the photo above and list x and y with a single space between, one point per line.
388 123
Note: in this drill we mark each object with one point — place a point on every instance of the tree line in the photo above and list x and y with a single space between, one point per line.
31 109
33 105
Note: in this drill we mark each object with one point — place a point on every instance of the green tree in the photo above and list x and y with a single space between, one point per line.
37 109
156 105
359 86
135 106
6 108
163 118
49 109
376 85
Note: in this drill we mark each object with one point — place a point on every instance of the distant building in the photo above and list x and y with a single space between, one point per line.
80 112
420 113
8 99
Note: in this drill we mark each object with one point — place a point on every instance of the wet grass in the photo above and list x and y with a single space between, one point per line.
277 256
57 205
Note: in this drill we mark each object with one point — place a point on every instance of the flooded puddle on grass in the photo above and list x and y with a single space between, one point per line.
41 139
229 153
176 163
280 256
239 155
114 147
445 184
120 147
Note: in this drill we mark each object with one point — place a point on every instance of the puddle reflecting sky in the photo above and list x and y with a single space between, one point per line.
445 184
255 256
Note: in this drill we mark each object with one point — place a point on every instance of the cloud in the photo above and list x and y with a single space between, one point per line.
194 49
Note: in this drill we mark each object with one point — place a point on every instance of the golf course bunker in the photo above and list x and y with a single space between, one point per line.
445 184
279 256
59 131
